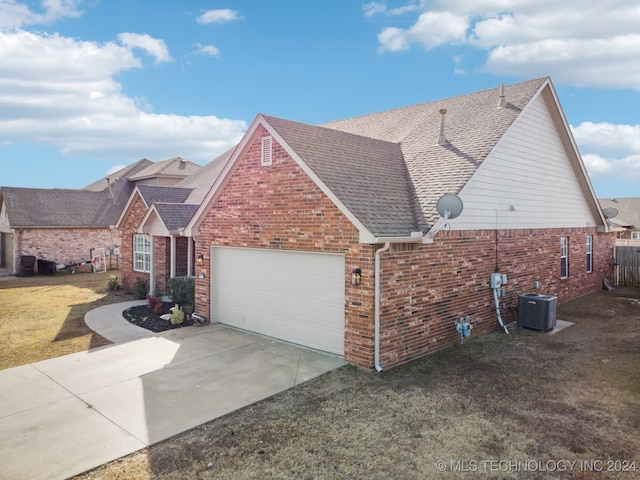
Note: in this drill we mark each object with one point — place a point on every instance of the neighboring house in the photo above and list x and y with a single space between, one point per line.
626 216
64 225
328 236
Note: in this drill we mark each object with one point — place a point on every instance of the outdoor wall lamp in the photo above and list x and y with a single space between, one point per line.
200 259
356 277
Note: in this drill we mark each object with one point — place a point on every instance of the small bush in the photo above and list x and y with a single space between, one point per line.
140 288
177 315
183 290
113 284
155 304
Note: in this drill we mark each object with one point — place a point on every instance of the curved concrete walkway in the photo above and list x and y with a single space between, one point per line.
63 416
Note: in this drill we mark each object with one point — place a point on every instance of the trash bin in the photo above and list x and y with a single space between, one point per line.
46 267
537 311
27 265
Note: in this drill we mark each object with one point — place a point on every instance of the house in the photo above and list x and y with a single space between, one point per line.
154 246
624 213
64 225
329 236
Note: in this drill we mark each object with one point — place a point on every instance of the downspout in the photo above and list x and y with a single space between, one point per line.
376 339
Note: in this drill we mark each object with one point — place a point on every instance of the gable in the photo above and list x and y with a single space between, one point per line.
277 205
529 180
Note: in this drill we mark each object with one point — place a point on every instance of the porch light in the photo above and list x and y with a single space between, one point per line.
356 277
200 259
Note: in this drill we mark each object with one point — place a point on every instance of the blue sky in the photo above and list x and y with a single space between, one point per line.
88 86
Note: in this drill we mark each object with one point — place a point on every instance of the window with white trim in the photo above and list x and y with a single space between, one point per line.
265 157
142 253
589 253
635 235
564 257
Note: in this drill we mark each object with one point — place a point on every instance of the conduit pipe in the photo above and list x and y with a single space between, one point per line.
376 337
496 300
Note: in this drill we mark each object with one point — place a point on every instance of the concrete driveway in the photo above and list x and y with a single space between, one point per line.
63 416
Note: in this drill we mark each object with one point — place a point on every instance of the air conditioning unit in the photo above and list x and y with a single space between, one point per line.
537 311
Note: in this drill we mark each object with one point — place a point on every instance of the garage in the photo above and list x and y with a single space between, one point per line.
294 296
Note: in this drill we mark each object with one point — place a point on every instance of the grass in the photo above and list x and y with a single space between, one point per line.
524 405
562 406
43 316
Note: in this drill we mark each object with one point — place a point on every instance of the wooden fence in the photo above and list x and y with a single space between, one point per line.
627 267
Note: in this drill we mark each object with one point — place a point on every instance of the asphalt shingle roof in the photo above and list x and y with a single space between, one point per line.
628 211
174 167
153 193
175 215
354 167
473 126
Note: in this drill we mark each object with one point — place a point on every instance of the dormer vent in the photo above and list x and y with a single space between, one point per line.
503 99
441 138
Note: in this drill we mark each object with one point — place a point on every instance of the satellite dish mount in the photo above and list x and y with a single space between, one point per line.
449 206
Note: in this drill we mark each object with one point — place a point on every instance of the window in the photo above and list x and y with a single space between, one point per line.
635 235
265 157
589 253
142 253
564 257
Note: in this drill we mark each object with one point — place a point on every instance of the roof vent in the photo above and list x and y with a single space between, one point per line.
109 187
441 138
503 100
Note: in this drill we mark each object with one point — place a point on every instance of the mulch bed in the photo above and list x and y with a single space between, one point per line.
144 317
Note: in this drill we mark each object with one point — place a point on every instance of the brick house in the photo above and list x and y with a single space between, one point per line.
625 216
64 225
154 245
329 236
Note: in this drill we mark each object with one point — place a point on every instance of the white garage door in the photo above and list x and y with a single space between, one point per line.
294 296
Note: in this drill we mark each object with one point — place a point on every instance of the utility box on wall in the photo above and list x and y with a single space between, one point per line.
537 311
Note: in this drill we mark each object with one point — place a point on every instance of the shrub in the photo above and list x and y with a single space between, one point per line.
183 290
155 304
177 315
113 284
140 288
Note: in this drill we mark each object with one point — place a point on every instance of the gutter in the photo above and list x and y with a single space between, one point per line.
415 237
376 340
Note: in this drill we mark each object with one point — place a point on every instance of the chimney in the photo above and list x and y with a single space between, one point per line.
441 138
503 101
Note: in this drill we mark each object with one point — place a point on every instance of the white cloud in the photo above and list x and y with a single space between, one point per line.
609 150
431 30
209 50
115 168
576 43
153 46
61 92
218 16
14 14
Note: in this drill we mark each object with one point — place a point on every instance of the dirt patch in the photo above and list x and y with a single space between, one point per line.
523 405
143 316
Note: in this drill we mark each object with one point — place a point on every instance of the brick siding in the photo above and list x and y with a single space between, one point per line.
65 245
136 213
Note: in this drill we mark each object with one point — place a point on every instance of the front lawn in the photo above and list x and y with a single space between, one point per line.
43 316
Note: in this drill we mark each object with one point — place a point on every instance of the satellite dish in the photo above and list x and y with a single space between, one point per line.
449 206
610 212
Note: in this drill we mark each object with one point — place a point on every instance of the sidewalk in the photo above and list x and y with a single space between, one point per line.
63 416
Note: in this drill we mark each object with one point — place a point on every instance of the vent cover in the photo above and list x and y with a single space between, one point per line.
265 158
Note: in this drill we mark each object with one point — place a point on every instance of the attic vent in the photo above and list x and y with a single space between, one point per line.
441 138
265 158
503 99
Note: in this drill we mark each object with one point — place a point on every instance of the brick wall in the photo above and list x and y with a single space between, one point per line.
279 207
64 245
428 289
136 213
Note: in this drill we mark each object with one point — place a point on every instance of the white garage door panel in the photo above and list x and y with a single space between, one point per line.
294 296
